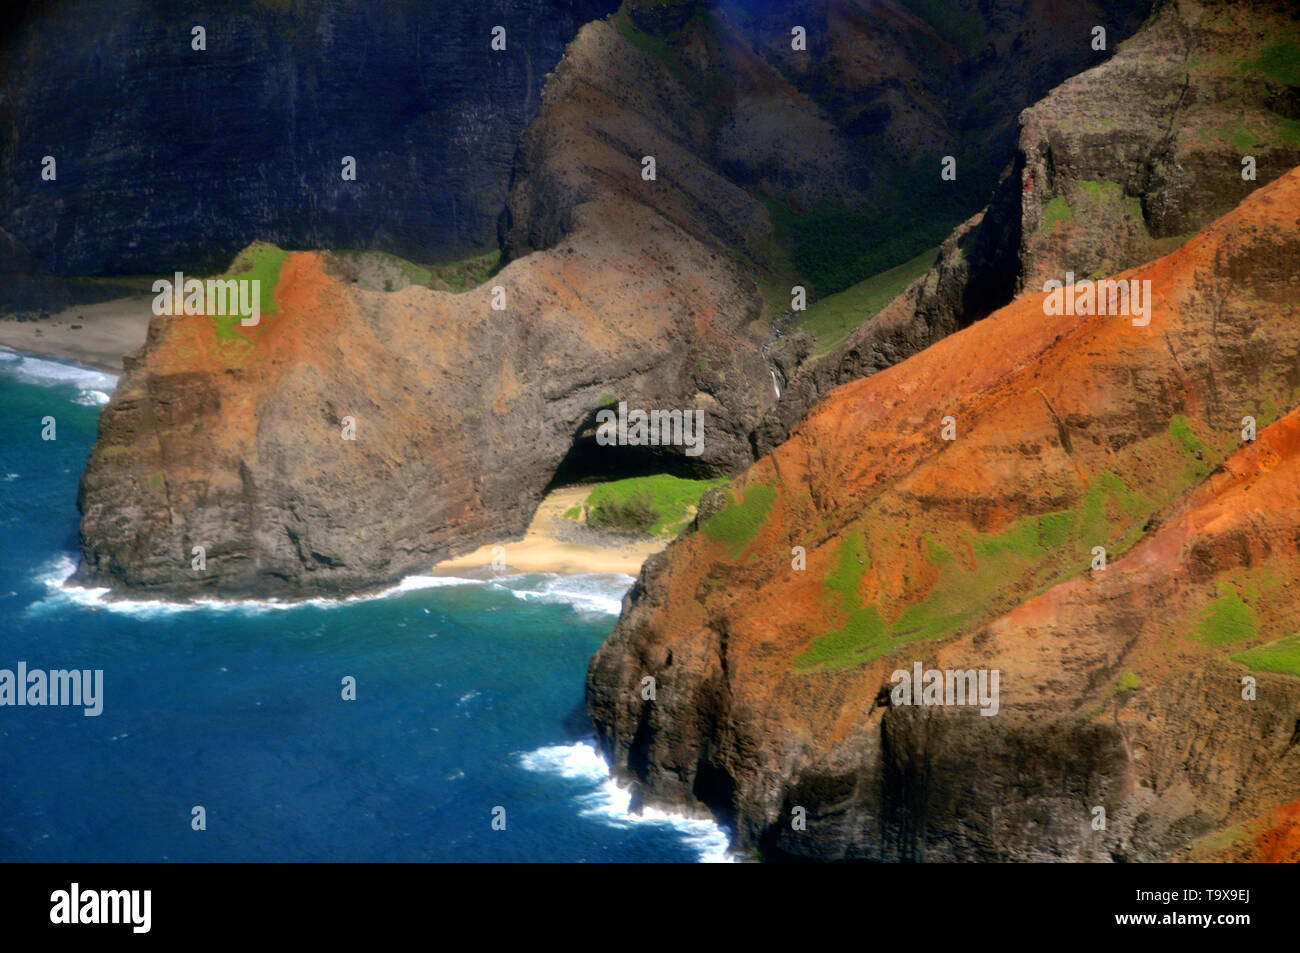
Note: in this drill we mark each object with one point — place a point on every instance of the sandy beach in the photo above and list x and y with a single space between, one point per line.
97 335
555 544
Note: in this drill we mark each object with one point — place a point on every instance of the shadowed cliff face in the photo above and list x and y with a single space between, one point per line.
915 81
840 124
174 158
1113 168
1120 687
836 113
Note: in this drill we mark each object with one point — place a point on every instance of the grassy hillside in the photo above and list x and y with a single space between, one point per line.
658 505
833 317
260 262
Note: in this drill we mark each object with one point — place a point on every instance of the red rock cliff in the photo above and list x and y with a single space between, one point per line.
1120 688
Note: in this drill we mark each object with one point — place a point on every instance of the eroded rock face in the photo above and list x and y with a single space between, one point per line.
176 158
1113 168
462 415
1118 687
1147 148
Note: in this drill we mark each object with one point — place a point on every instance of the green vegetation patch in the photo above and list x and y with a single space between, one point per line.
833 317
259 262
468 273
658 504
1202 458
863 636
1057 210
964 28
381 271
1103 192
1182 432
1229 618
1127 681
1100 191
706 86
1217 841
832 249
736 525
1281 62
938 552
648 43
1282 657
978 573
1108 502
850 560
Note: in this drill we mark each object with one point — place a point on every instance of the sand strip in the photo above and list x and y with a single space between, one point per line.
542 549
97 335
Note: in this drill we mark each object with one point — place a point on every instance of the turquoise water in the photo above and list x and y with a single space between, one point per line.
469 698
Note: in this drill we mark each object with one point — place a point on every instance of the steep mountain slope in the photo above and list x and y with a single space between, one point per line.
1114 167
1120 687
839 129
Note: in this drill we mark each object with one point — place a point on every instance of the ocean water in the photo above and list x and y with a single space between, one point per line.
469 698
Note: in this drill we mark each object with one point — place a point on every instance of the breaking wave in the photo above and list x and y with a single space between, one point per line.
607 802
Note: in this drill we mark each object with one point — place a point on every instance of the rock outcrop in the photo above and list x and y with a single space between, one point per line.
616 287
1161 688
231 438
1113 168
462 414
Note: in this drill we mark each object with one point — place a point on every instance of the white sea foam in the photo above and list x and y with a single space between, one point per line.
600 593
609 803
55 578
594 593
93 387
92 398
412 583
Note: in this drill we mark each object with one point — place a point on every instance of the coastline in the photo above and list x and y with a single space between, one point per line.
551 544
97 335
